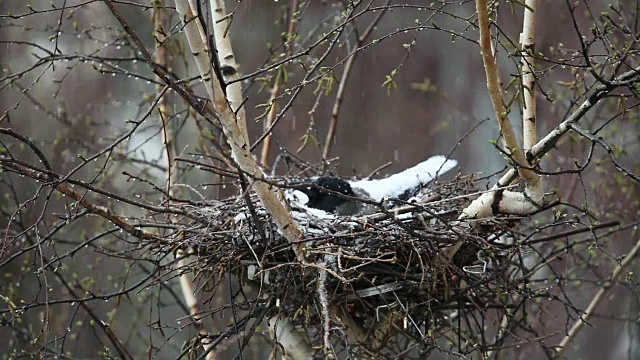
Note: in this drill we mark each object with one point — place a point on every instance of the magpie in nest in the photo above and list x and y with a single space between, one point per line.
334 195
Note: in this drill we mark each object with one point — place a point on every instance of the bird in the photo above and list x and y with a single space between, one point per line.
334 195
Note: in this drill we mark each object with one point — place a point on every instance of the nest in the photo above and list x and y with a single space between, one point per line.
412 269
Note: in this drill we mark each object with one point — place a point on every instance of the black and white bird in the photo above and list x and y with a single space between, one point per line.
334 195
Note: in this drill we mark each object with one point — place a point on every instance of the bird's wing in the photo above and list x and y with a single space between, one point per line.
410 178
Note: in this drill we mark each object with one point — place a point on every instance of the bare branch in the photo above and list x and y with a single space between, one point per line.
597 299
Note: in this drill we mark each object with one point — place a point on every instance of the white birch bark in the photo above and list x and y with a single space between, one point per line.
228 64
293 343
508 202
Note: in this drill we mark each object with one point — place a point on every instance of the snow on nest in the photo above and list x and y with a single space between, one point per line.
413 177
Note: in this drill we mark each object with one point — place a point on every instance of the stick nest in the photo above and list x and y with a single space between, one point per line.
411 268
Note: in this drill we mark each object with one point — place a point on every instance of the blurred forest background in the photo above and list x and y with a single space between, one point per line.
75 86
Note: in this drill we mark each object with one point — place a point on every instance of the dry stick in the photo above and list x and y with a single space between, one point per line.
160 57
271 116
333 125
323 298
597 299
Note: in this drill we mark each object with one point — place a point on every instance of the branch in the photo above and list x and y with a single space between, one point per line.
598 140
277 85
333 125
168 77
548 142
577 326
544 145
228 64
520 203
82 200
271 116
186 284
527 42
188 293
293 342
239 147
495 92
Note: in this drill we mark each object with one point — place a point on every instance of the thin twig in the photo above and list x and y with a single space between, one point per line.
335 111
279 79
584 319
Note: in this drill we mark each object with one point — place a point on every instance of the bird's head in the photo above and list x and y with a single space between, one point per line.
323 194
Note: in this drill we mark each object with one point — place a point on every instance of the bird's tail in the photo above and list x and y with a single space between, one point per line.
408 180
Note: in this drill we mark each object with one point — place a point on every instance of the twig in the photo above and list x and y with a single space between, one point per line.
331 134
82 200
186 284
275 91
577 326
323 297
597 140
547 143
